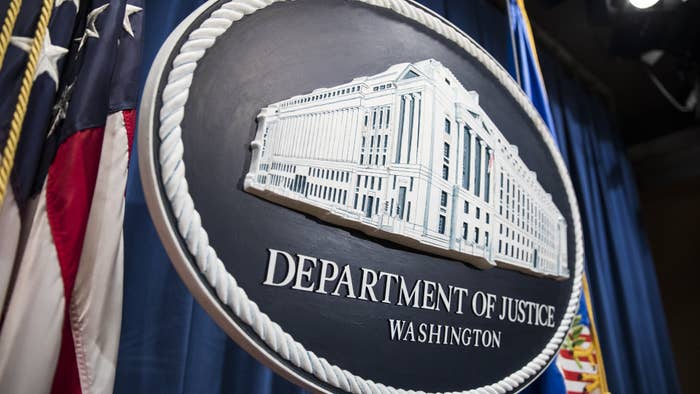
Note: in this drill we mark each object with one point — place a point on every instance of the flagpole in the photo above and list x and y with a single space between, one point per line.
596 342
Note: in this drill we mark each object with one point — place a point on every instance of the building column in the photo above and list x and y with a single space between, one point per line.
482 146
292 136
489 186
472 162
297 137
309 129
355 127
332 130
284 133
319 135
457 155
411 126
318 126
272 138
345 149
326 135
304 139
340 134
402 126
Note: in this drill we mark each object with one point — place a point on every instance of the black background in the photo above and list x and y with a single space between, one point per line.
292 48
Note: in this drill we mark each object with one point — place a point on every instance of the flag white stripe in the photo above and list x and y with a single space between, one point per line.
10 226
570 365
577 387
31 332
96 304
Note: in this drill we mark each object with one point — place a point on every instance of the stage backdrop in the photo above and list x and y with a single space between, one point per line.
169 344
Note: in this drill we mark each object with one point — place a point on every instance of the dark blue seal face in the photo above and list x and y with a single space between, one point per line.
360 196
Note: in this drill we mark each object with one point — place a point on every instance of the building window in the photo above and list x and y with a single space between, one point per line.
488 218
401 202
486 238
446 150
443 199
476 235
370 202
445 172
465 229
478 212
441 224
447 126
466 207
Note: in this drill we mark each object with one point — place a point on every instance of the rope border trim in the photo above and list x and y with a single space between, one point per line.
189 227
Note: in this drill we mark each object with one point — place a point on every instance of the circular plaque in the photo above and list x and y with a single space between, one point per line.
360 196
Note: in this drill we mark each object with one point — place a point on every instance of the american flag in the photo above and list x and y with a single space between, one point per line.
61 218
577 359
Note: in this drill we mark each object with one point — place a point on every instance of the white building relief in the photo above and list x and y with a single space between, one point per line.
408 155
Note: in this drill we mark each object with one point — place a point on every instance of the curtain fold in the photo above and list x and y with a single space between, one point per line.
169 344
625 295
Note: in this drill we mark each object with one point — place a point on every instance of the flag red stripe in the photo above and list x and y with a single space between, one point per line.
585 337
572 375
569 356
69 189
130 124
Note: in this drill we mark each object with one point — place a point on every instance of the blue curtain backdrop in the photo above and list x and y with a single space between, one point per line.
169 344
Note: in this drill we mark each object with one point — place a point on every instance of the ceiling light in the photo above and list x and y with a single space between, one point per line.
642 4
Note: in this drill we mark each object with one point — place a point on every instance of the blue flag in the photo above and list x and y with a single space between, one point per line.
577 368
527 64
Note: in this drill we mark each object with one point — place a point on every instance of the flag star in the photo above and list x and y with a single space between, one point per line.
60 109
58 3
90 28
49 57
130 9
